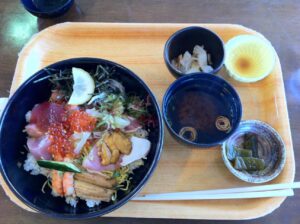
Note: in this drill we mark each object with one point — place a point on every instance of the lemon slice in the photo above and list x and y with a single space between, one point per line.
83 87
249 58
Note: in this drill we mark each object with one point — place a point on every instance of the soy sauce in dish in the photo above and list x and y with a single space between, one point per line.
196 112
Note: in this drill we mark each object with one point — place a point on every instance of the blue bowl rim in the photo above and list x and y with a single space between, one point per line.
43 12
170 39
198 76
130 195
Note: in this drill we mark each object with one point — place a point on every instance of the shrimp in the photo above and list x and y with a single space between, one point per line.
68 184
57 183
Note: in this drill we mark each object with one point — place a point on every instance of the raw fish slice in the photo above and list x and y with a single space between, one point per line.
38 147
33 131
140 149
46 113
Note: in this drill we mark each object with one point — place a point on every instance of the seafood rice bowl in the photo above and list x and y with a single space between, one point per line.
89 144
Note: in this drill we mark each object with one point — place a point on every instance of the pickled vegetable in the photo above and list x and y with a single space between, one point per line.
249 164
233 152
250 142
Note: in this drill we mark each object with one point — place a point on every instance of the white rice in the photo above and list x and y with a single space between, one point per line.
30 165
71 201
92 203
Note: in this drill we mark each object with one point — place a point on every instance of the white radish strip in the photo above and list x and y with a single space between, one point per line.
83 136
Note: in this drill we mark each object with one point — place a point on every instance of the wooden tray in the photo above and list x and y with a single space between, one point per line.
140 48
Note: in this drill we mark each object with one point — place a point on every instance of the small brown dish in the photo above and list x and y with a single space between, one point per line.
261 163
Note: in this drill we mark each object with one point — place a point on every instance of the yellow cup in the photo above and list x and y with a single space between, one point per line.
249 58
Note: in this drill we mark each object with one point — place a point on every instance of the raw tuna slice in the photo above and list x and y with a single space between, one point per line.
39 147
46 113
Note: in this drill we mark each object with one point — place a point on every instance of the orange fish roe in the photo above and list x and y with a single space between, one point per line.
81 121
60 133
61 147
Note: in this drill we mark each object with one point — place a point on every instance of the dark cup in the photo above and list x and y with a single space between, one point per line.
47 8
186 39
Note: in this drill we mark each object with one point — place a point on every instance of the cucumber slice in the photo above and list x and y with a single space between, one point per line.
60 166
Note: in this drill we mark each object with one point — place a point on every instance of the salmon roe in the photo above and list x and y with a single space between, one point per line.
81 121
61 147
60 133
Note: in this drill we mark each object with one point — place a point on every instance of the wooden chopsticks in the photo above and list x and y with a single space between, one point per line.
262 191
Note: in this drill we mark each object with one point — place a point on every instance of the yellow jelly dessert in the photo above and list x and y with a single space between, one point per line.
249 58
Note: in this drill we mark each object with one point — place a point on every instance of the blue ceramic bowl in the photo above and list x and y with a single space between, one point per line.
195 102
186 39
26 187
47 8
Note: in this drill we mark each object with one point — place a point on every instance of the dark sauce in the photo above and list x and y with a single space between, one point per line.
199 109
